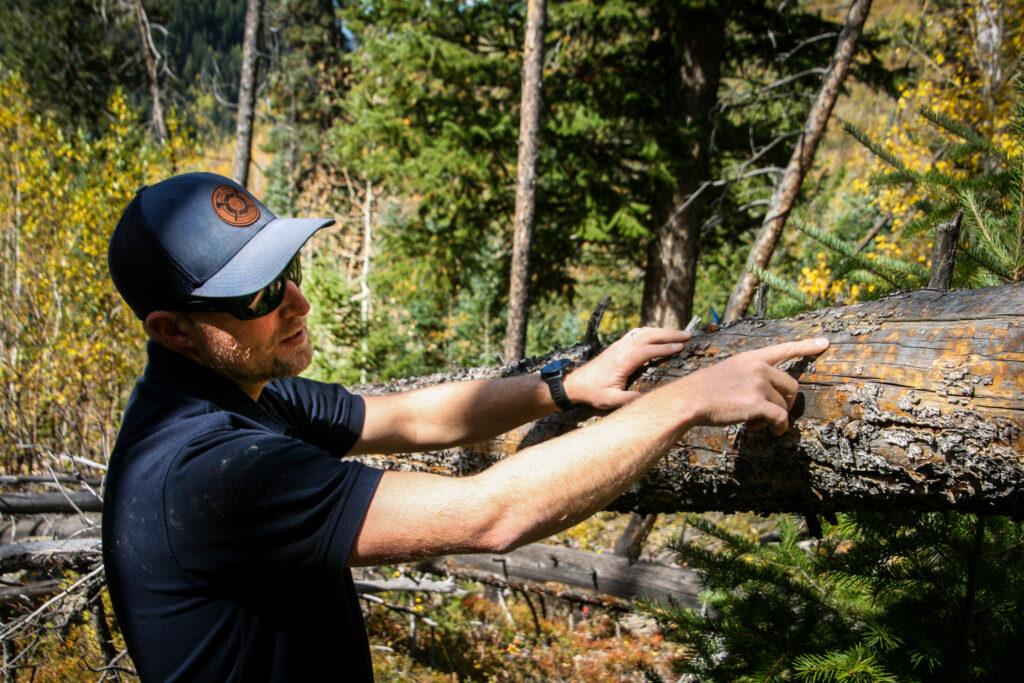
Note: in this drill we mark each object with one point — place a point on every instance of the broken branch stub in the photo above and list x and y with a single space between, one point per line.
917 404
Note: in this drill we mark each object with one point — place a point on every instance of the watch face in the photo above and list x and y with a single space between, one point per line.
555 366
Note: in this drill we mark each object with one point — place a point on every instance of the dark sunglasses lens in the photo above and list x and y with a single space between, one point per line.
267 299
270 297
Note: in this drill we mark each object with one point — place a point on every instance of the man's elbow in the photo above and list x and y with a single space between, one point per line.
508 528
501 541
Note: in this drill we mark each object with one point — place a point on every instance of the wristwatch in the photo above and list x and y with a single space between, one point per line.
554 374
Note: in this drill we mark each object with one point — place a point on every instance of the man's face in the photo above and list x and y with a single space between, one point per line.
253 352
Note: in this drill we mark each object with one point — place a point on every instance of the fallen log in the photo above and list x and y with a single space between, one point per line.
67 553
577 575
917 404
25 593
540 565
36 503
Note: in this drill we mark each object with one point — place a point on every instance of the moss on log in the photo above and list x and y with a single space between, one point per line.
917 404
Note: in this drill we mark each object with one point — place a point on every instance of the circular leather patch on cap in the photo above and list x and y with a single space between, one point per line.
234 207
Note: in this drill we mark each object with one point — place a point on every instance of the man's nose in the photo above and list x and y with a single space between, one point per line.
295 302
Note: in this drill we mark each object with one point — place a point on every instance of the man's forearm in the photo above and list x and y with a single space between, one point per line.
528 496
458 413
554 485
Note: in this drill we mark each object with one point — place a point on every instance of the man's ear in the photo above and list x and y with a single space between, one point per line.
172 329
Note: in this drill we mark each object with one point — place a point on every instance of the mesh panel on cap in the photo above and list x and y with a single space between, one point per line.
143 273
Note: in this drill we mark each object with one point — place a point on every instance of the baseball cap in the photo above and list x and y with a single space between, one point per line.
199 235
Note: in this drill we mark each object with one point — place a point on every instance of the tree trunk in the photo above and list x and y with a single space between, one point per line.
916 405
799 163
247 92
529 133
671 272
149 56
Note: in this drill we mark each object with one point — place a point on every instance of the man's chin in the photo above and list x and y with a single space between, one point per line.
295 362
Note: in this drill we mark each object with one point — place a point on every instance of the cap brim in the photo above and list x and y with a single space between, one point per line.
262 258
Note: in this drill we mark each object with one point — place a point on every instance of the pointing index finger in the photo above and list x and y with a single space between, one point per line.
780 353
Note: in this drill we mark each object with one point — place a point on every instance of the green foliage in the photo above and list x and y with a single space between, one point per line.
981 178
423 101
881 597
74 54
71 58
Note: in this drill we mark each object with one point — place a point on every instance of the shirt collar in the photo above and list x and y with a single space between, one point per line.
183 375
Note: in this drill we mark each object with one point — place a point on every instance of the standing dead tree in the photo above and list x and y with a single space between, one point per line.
800 162
526 187
247 92
150 56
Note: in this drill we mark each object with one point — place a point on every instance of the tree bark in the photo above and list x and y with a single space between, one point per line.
947 237
916 405
149 57
799 163
631 542
671 272
247 92
529 134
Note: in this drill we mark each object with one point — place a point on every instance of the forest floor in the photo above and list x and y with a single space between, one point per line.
484 636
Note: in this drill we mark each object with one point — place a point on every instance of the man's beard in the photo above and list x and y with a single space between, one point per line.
245 365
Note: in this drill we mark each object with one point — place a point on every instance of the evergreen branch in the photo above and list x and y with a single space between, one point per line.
962 130
985 261
850 251
986 240
854 664
779 283
875 148
893 178
900 266
734 541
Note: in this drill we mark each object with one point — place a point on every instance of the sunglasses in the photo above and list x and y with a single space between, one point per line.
255 305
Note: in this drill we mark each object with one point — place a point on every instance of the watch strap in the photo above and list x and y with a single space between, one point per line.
556 385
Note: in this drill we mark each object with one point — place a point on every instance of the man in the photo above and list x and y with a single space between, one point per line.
231 518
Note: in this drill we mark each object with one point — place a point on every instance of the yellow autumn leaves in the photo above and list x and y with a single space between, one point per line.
69 348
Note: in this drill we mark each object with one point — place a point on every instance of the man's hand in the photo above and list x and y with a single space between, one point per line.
749 387
601 383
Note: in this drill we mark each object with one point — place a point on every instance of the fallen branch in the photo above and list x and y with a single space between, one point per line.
800 162
574 573
28 591
35 503
68 553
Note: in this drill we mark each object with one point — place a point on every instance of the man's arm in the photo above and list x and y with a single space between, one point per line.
458 413
553 485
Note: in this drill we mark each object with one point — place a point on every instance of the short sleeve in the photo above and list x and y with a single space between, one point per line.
325 415
255 502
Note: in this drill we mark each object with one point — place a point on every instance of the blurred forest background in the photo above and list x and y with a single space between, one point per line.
401 119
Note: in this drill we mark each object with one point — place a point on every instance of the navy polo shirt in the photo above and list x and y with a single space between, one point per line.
227 527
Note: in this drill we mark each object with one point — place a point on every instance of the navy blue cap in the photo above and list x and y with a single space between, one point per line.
200 235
